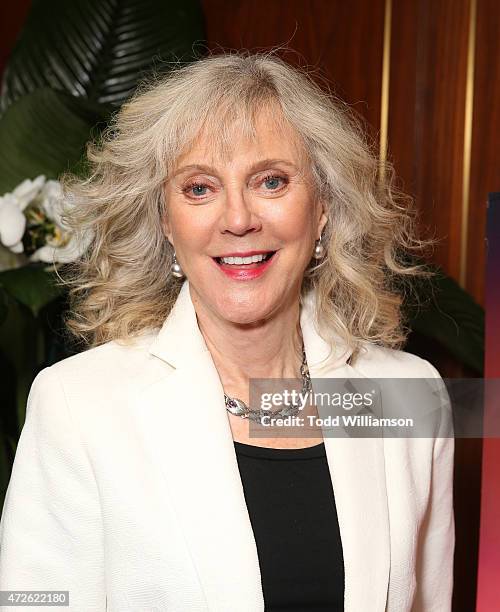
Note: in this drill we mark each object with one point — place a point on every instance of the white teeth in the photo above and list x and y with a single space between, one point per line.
243 260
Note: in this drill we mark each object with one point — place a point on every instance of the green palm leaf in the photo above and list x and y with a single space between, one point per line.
44 133
99 49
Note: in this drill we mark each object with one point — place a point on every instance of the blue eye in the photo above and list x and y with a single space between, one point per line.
195 189
272 182
198 189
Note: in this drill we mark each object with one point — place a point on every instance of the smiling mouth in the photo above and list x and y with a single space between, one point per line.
249 261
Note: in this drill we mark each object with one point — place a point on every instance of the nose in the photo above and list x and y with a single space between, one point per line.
238 215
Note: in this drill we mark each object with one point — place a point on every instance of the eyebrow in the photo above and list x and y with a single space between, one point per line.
260 165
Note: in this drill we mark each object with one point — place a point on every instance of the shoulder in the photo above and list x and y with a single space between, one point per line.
95 384
376 360
427 397
109 365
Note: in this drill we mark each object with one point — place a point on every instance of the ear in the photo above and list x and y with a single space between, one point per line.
322 220
166 228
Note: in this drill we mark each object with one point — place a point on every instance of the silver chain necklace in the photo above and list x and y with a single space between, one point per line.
238 407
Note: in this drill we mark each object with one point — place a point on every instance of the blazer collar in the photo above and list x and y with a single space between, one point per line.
183 420
180 338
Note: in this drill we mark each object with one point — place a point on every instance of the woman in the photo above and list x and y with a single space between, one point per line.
239 231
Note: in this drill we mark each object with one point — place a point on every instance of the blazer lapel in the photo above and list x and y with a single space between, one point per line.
184 419
187 426
357 470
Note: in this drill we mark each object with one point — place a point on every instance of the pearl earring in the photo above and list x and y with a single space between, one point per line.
319 250
175 269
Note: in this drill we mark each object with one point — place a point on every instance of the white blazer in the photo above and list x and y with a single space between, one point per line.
126 492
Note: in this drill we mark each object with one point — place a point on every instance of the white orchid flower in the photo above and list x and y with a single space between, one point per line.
72 250
12 219
61 246
51 196
27 191
12 223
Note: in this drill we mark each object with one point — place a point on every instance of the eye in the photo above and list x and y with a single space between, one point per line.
195 189
273 182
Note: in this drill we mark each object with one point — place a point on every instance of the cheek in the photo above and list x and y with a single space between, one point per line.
191 228
294 223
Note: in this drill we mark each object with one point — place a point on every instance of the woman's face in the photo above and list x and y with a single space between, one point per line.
258 204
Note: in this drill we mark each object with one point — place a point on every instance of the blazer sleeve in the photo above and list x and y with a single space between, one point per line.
51 535
436 544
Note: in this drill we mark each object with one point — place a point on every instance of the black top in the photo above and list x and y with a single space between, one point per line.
291 505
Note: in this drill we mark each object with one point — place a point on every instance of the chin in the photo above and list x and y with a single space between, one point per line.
242 318
244 309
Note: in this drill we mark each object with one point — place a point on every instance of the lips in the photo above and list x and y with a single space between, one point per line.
233 266
244 259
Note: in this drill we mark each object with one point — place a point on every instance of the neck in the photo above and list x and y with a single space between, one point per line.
271 348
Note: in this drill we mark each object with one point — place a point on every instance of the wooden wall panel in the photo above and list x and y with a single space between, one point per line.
12 16
426 114
485 157
342 39
403 133
427 118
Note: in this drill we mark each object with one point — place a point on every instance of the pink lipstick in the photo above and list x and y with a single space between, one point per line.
232 266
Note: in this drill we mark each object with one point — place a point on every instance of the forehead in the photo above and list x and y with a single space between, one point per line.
262 135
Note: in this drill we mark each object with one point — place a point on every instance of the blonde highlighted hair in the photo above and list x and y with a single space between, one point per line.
120 286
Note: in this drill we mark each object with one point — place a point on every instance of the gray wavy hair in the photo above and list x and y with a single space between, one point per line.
120 287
